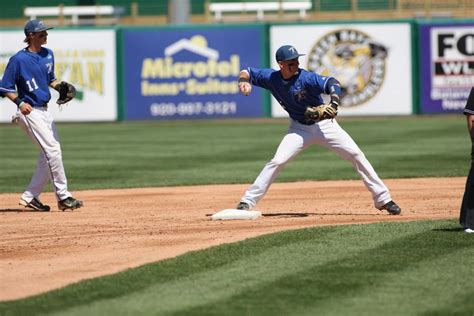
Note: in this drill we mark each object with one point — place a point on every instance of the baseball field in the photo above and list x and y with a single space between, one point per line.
144 243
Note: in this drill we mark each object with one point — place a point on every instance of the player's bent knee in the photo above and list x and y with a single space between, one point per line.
353 155
55 152
358 155
278 162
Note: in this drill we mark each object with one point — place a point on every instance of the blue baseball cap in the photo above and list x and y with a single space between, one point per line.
35 26
287 52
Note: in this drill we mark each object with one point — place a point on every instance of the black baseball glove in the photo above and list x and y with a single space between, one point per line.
67 92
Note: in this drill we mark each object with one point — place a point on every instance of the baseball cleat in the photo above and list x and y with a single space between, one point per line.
69 203
35 204
243 206
392 208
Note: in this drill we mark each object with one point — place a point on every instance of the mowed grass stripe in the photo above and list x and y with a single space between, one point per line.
388 268
404 275
144 154
249 270
134 280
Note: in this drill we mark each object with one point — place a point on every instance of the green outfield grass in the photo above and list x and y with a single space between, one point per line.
415 268
144 154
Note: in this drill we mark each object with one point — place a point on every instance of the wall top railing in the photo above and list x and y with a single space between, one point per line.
75 12
259 7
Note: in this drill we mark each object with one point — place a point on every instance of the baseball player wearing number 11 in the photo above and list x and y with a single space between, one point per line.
31 72
311 122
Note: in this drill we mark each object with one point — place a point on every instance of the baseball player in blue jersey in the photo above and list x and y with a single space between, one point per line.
299 92
26 81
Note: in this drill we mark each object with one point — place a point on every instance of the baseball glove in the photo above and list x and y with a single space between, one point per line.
320 112
67 92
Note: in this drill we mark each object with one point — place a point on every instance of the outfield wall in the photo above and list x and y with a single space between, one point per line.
446 62
190 72
372 61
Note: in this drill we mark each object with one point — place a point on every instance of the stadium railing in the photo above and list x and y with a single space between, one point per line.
218 9
77 14
146 12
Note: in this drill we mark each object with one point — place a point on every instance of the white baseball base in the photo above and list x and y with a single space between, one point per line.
232 213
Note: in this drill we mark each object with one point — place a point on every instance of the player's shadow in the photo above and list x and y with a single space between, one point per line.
286 214
306 214
18 210
449 229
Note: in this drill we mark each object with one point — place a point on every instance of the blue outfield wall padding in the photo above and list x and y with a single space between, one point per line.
190 72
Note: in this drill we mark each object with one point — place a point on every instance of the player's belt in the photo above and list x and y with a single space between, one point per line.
306 122
42 106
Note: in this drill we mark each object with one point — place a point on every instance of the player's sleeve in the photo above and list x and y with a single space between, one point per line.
260 77
52 75
318 83
332 87
8 82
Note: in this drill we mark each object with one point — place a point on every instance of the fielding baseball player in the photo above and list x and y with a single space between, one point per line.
311 122
31 71
466 218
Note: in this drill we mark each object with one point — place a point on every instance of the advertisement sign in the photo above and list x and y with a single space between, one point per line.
446 66
90 65
371 61
190 73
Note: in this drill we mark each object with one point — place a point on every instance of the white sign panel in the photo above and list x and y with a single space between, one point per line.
450 67
372 62
84 58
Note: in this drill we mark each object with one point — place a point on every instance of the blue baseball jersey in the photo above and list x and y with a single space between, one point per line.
295 94
29 74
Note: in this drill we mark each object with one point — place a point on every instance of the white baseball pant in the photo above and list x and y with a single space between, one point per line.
40 127
327 133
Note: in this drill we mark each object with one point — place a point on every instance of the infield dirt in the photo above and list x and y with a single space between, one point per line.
121 229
